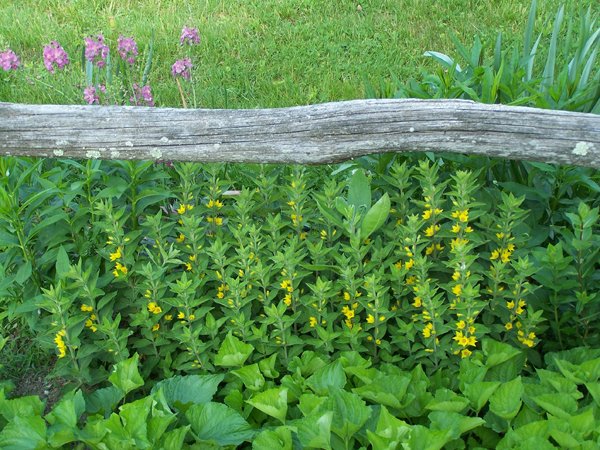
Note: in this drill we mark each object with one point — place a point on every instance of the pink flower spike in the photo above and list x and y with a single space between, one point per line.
189 36
9 60
142 95
181 68
127 48
55 55
96 51
90 96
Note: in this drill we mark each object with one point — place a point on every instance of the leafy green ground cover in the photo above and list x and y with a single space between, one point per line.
419 301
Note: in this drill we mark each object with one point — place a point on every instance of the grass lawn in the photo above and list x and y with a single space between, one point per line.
255 53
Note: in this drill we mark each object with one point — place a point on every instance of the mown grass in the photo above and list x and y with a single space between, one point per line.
255 53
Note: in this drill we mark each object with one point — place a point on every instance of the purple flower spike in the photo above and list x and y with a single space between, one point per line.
9 60
55 55
96 51
181 68
90 95
127 48
142 95
189 36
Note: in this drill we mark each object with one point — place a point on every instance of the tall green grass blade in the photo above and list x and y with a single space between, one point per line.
148 65
462 50
498 52
548 75
531 59
587 70
529 30
445 60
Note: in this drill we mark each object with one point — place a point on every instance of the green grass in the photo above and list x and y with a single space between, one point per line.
255 53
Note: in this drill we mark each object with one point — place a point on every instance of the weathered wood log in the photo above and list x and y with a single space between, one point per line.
323 133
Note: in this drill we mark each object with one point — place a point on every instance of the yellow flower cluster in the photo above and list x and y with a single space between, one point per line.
461 215
431 230
526 339
349 312
188 265
312 321
154 308
296 219
183 207
287 285
428 330
119 268
89 323
221 290
503 253
60 343
214 204
218 221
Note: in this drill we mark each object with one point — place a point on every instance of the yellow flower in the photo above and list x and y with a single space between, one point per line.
519 311
60 343
188 267
169 317
429 250
465 353
147 294
116 255
312 321
154 308
381 318
468 230
348 312
287 299
370 318
411 280
495 254
418 302
510 305
181 209
191 317
461 215
428 330
378 341
456 228
457 290
155 327
181 238
181 315
86 308
121 268
508 326
461 325
427 214
472 341
431 230
218 221
408 264
456 275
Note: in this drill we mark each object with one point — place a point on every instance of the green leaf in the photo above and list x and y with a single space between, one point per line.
184 390
375 217
453 423
505 402
331 375
174 438
267 366
314 431
63 265
359 191
447 400
559 405
350 412
126 376
21 407
279 438
479 393
388 390
250 376
272 402
64 418
233 352
422 438
218 423
23 273
24 433
390 431
103 400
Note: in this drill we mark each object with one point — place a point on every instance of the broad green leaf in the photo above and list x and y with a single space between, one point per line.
134 419
331 375
272 402
350 412
314 431
359 191
479 393
388 390
453 423
267 366
23 273
24 433
390 431
183 390
375 217
68 410
63 266
30 405
218 423
310 403
505 402
250 376
103 400
126 376
233 352
559 405
280 438
422 438
594 390
174 438
447 400
497 352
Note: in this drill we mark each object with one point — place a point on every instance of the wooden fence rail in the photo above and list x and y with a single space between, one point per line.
315 134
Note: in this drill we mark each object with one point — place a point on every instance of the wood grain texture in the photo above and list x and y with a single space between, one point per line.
314 134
